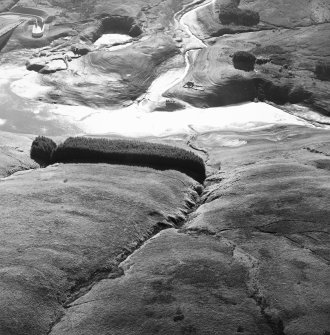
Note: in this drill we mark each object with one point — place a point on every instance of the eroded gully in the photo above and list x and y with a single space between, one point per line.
193 201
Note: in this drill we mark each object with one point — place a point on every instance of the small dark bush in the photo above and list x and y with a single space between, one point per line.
322 71
42 149
159 156
231 14
243 60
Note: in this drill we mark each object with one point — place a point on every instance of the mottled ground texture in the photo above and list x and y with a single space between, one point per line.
253 258
97 249
65 227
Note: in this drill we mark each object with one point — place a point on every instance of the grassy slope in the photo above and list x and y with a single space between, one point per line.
66 225
253 259
15 153
271 201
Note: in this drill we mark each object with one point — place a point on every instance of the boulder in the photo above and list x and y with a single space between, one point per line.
36 64
80 49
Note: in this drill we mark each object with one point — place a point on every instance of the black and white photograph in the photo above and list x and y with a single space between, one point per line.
164 167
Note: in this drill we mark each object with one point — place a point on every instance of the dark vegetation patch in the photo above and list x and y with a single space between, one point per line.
121 24
323 164
243 60
262 61
280 94
231 14
136 153
322 71
41 150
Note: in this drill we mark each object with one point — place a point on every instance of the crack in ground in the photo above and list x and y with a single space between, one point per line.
18 172
274 322
176 220
193 138
316 255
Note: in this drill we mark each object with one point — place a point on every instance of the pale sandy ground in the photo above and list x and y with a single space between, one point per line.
139 120
133 122
111 39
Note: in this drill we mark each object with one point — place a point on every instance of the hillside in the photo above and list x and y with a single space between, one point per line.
120 230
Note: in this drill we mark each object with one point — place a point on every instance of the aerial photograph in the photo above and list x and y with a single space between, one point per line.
164 167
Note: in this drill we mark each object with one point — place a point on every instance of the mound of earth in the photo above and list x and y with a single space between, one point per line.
109 249
65 227
121 75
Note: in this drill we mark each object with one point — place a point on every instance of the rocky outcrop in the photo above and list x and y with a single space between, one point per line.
122 75
35 65
52 63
